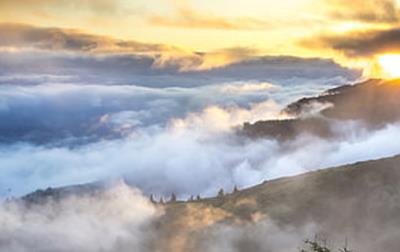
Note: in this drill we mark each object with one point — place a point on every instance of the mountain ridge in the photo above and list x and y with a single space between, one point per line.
374 103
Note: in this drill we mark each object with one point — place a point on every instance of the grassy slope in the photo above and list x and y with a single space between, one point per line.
359 200
374 102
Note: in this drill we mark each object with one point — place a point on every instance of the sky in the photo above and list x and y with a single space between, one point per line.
352 33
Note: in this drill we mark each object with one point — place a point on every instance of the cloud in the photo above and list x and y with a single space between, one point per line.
188 17
116 219
120 218
183 158
370 11
197 154
20 42
82 113
206 61
57 39
138 119
43 8
364 43
248 88
168 70
261 236
25 37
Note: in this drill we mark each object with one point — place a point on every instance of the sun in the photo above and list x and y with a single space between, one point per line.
390 64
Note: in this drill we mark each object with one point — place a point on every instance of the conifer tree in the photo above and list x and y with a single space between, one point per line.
152 198
173 198
221 193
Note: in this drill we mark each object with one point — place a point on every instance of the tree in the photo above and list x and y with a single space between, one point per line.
235 189
173 198
198 197
315 246
152 198
221 193
191 198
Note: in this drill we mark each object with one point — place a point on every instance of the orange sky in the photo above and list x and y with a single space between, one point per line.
264 27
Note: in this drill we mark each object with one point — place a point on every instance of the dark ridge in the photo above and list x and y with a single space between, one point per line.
359 202
41 196
375 103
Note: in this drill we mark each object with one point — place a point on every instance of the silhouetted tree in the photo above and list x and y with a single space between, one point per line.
173 198
152 198
221 193
345 249
191 198
315 246
198 197
235 189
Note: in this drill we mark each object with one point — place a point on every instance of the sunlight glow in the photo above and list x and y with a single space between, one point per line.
390 64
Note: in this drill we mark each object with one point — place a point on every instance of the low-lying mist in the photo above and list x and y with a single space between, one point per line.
117 219
196 155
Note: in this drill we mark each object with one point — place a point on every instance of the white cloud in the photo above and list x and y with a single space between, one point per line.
248 87
113 220
198 154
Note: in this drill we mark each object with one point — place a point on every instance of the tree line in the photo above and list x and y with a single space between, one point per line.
173 197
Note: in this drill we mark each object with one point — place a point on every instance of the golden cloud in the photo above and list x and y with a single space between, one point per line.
94 6
373 11
361 44
205 61
70 40
25 37
188 17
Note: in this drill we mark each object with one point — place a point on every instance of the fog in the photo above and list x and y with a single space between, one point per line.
117 219
76 114
197 154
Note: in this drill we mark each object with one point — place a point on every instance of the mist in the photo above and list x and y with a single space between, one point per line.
76 114
198 154
116 219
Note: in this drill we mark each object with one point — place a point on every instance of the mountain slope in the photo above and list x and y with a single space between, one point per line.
359 202
374 103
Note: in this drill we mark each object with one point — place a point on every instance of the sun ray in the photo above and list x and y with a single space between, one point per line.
390 64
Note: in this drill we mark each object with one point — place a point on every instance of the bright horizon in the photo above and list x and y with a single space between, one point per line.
228 32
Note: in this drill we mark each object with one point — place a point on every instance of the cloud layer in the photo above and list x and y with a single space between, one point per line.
117 219
196 155
365 43
371 11
153 132
74 44
57 39
83 113
187 16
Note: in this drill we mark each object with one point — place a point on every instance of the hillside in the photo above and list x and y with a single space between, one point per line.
358 202
374 103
